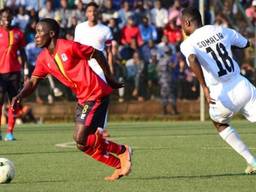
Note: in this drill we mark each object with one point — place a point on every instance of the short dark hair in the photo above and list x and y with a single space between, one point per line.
92 4
193 14
52 24
7 10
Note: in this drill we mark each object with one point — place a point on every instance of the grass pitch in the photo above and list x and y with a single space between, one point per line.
168 157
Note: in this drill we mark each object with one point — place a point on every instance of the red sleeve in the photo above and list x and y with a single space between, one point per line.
22 42
39 71
82 51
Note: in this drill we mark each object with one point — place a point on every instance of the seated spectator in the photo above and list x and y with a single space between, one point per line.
63 14
123 14
221 20
251 12
173 33
175 12
24 114
159 17
152 76
108 11
129 32
22 18
126 52
148 31
140 12
30 30
47 11
79 12
116 32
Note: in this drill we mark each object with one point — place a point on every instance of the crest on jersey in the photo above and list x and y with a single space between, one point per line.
1 35
64 57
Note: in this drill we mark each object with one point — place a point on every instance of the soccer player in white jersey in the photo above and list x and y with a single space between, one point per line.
99 36
95 34
208 53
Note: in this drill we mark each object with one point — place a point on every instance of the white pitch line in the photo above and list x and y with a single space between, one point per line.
222 148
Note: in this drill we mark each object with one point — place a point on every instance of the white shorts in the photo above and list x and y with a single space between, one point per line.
238 95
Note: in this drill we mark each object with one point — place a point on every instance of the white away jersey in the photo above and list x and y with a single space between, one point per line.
97 36
212 47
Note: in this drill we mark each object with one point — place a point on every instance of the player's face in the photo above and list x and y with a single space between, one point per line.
6 19
42 37
92 13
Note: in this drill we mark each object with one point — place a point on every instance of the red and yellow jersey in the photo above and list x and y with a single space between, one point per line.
10 42
69 64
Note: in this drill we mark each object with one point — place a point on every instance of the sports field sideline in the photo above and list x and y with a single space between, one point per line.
168 157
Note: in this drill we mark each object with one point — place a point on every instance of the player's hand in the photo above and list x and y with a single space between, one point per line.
114 84
207 96
15 102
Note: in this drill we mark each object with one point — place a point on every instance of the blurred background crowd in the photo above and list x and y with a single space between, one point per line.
146 38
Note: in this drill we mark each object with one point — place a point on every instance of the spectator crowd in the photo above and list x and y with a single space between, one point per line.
146 38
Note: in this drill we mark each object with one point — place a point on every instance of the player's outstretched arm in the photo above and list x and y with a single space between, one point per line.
196 68
27 90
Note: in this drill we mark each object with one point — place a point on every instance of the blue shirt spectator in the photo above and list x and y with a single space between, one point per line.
148 32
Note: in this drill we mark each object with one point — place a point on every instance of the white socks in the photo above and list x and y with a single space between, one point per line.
233 139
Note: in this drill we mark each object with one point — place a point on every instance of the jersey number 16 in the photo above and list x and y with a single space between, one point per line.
225 58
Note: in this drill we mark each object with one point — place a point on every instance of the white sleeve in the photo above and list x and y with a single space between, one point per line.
76 37
237 39
187 50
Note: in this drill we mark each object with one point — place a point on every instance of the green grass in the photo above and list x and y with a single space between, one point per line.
168 157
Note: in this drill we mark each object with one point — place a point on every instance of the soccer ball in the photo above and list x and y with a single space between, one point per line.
7 170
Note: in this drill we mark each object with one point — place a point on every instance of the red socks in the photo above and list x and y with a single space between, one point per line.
11 120
100 149
104 157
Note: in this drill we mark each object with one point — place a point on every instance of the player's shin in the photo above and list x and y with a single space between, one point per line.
11 120
98 141
103 157
233 139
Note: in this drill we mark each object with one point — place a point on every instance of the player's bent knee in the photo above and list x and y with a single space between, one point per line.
220 126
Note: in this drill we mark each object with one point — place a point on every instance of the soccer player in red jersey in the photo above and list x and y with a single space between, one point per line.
68 62
11 41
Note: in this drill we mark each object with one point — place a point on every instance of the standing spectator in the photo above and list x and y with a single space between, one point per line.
129 32
165 81
159 17
47 11
12 39
148 31
251 12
